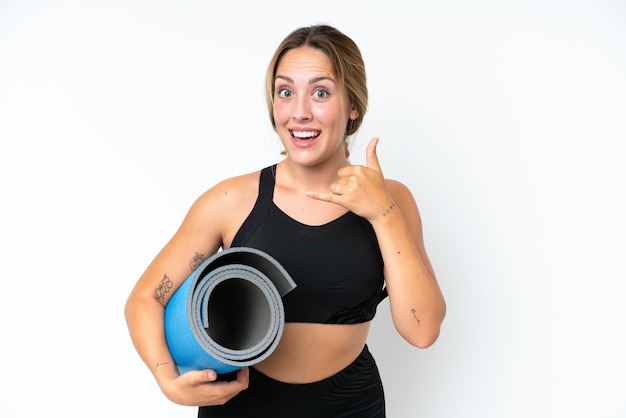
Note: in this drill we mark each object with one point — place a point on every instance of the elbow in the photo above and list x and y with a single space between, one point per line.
423 339
132 305
423 335
128 309
141 304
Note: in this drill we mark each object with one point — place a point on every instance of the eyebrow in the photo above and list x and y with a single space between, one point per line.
311 81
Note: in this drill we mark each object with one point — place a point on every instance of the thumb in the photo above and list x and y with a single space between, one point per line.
202 376
371 158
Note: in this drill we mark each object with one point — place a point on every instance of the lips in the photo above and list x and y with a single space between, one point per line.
304 139
305 135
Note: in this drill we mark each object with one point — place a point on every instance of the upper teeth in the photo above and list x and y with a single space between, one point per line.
304 134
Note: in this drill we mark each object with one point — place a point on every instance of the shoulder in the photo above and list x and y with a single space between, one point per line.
234 188
230 193
221 210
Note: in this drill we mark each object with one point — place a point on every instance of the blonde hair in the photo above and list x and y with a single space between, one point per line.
347 63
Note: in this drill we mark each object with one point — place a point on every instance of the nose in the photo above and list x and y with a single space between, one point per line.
302 109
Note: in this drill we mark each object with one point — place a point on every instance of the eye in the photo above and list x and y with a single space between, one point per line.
284 93
321 93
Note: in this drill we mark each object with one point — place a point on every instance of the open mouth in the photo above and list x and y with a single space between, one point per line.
305 135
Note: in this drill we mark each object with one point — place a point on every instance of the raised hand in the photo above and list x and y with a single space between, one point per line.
361 189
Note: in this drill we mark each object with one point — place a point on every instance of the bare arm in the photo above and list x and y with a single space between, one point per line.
200 235
417 304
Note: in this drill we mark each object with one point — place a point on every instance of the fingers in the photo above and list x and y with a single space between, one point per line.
352 178
197 377
208 376
203 387
218 392
243 376
326 197
371 161
371 158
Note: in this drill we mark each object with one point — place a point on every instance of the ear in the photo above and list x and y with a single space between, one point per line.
354 114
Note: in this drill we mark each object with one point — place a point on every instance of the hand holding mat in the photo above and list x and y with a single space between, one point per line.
228 314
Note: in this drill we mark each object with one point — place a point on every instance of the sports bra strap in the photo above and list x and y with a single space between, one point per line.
261 206
267 182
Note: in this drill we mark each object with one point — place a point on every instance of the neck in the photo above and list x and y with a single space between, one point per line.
317 177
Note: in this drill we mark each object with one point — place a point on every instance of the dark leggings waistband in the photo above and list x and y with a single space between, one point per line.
355 391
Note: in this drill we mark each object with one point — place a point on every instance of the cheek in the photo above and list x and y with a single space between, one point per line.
334 113
281 114
325 114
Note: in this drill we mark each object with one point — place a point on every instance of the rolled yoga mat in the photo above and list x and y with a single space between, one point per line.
229 313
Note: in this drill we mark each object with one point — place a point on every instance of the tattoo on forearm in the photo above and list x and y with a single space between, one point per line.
416 318
389 209
159 364
164 288
196 260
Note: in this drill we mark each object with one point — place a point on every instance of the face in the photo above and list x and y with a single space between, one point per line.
310 111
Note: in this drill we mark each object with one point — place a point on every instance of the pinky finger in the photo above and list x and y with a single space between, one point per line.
326 197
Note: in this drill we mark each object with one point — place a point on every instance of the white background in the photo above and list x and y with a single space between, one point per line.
506 119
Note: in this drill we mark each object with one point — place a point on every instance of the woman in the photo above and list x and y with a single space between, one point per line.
342 231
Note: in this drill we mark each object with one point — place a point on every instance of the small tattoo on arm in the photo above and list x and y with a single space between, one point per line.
416 318
389 209
164 288
159 364
196 260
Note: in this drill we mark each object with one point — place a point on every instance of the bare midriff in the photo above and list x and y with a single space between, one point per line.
310 352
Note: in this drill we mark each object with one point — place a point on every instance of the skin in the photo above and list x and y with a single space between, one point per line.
315 184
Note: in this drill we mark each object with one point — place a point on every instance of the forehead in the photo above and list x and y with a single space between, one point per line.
305 60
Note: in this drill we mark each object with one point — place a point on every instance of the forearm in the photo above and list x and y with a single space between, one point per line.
144 317
417 304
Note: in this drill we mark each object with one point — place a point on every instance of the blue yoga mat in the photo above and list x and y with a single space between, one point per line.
229 313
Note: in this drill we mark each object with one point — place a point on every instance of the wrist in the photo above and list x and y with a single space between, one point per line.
385 213
390 209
